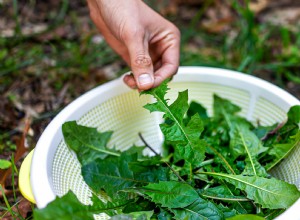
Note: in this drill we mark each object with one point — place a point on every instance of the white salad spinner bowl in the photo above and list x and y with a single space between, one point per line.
114 107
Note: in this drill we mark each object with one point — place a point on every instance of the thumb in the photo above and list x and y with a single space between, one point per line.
141 64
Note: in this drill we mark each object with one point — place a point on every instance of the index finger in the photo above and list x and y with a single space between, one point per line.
169 63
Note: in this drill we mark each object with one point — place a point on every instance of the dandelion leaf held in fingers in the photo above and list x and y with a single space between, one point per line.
185 138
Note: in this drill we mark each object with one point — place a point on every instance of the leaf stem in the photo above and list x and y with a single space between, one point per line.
227 175
238 180
247 150
104 151
244 193
226 199
207 186
222 158
272 132
206 162
258 209
148 146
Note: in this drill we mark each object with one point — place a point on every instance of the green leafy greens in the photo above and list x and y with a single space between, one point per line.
211 167
185 137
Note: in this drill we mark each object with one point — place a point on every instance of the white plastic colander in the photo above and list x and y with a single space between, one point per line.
113 106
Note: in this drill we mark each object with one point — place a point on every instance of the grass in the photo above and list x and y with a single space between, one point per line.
11 204
63 60
255 48
260 49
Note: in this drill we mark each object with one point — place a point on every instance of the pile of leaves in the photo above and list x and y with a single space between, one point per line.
210 167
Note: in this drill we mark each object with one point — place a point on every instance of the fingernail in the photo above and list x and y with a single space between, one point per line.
145 79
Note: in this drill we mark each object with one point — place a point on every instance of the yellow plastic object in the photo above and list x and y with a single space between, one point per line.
24 178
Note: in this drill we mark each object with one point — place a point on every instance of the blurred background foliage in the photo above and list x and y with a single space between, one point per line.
51 53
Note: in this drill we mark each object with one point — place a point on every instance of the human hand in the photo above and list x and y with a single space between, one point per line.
145 40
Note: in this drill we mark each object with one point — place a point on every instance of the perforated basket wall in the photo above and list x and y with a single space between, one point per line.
123 113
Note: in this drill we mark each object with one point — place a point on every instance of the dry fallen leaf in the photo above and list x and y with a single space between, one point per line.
258 6
283 17
21 150
22 208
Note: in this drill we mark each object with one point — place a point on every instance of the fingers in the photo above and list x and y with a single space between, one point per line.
130 81
164 68
169 62
140 62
